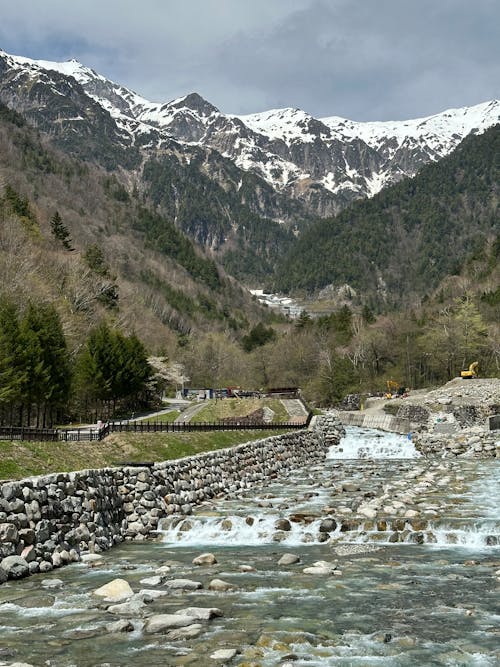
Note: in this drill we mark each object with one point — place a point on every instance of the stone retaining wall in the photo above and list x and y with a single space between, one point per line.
49 521
472 442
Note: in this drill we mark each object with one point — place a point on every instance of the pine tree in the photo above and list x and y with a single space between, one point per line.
60 231
12 372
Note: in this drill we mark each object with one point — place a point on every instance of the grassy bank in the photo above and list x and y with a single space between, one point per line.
240 407
24 459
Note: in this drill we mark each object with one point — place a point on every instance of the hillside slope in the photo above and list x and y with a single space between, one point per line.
120 260
398 246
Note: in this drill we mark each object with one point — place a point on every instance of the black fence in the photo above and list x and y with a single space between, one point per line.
30 433
94 434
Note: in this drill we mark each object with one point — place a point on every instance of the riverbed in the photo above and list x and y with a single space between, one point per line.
386 590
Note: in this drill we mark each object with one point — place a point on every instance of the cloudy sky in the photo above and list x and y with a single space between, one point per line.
362 59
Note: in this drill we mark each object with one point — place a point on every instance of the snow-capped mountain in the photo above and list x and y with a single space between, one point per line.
323 163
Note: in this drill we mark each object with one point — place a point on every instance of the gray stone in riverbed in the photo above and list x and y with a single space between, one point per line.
183 584
289 559
52 583
151 581
200 613
115 590
189 632
224 654
132 607
282 524
92 560
205 559
15 567
120 626
163 622
220 585
327 526
149 594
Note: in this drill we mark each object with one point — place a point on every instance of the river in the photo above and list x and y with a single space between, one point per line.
428 596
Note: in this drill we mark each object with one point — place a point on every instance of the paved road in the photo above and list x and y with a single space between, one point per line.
190 412
294 407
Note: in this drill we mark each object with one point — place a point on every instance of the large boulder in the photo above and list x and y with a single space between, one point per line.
205 559
115 591
15 567
165 622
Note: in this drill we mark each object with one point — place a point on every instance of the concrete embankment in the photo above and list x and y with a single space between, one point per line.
380 421
48 521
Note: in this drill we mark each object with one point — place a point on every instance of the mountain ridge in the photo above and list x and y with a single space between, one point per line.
323 163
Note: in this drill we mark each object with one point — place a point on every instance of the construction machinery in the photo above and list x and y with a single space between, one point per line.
472 372
392 389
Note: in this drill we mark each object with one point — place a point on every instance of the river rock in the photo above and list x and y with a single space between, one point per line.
150 594
205 559
163 622
282 524
200 613
246 568
151 581
115 591
8 532
15 567
120 626
289 559
52 583
224 654
92 560
183 584
220 585
189 632
327 526
320 567
133 607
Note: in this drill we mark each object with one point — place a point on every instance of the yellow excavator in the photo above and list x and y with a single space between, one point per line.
472 372
392 389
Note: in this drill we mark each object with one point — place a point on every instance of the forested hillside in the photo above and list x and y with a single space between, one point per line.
71 233
96 274
396 247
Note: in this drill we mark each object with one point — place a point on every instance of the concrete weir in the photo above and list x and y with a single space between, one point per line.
48 521
382 422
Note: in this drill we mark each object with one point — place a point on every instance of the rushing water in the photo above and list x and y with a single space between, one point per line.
430 598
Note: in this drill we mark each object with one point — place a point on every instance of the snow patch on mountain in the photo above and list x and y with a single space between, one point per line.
289 148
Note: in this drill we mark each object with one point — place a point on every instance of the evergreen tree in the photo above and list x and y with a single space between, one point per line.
258 336
12 373
111 368
46 362
60 231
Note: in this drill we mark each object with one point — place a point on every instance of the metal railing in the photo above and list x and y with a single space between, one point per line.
91 434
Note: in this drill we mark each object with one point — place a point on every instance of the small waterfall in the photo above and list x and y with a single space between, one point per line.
235 531
364 443
481 535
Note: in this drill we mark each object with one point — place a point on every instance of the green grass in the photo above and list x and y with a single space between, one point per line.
240 407
19 459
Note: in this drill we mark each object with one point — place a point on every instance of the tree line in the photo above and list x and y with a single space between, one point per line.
43 383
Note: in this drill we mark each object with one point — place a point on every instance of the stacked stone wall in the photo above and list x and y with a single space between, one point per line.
49 521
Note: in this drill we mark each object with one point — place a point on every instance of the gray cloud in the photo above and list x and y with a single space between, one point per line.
364 59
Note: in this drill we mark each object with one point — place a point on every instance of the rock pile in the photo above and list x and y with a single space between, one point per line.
469 442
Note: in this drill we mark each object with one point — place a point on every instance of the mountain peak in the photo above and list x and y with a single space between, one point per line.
194 102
